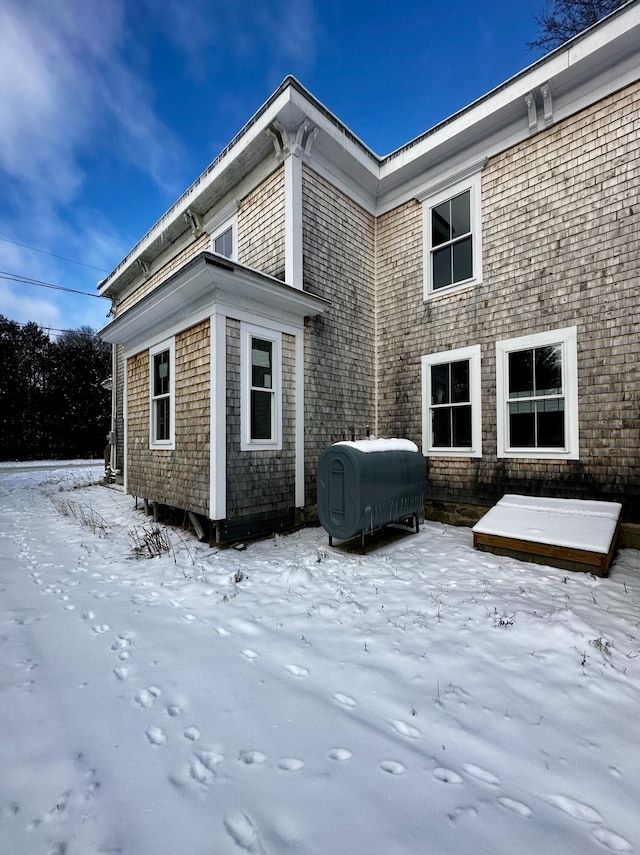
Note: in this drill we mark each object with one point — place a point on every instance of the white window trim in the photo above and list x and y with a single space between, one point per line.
567 339
247 333
473 355
472 183
170 345
231 223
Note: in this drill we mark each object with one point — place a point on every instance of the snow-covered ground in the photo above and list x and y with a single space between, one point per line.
292 698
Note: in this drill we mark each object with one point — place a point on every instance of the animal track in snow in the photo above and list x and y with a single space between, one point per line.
147 697
576 809
446 776
612 840
121 673
461 813
243 832
392 767
252 758
290 764
156 735
250 654
340 754
480 773
345 700
174 710
515 806
406 729
100 628
222 631
297 670
203 765
192 733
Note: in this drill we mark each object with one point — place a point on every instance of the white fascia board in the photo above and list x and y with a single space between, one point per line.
197 288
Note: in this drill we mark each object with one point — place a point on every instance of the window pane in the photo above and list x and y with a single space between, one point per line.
161 373
460 215
223 244
441 427
162 424
261 363
548 368
460 382
462 260
440 384
261 414
461 427
520 373
441 224
442 267
522 428
550 423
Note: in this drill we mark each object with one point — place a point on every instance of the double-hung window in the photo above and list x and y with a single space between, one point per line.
451 410
261 389
162 395
536 378
452 236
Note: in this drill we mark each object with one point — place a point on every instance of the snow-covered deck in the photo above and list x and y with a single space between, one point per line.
572 534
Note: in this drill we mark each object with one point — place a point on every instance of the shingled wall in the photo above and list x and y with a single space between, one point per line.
561 247
339 252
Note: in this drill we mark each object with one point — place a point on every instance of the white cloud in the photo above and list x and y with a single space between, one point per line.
67 84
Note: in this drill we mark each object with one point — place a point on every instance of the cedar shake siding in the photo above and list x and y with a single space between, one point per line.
259 481
261 227
339 252
179 477
561 248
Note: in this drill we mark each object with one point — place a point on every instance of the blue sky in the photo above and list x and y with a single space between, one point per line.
109 109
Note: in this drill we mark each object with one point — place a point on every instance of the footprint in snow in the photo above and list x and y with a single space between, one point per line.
203 766
575 809
121 673
191 733
147 697
406 729
243 832
392 767
516 807
249 654
462 813
480 773
345 700
252 758
297 670
156 735
447 776
290 764
174 710
222 631
340 754
100 628
612 840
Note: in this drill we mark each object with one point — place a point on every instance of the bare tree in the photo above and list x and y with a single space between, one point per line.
563 19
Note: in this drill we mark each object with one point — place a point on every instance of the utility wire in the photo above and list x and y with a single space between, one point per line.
53 255
25 280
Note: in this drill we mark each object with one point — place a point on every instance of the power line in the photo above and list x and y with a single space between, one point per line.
25 280
53 255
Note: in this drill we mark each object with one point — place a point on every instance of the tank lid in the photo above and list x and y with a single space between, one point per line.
376 445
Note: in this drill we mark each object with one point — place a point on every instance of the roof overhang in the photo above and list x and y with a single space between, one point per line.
203 285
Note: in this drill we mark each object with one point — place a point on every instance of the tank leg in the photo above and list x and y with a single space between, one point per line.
330 540
362 549
417 519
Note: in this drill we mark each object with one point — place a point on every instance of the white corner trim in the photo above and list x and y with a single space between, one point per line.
299 406
293 221
218 440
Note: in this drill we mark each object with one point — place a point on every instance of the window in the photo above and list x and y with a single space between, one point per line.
162 417
223 243
538 396
261 389
452 236
451 411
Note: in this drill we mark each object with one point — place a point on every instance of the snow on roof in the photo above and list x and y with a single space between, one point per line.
370 445
572 523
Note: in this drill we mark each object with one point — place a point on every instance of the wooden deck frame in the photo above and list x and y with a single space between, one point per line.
563 557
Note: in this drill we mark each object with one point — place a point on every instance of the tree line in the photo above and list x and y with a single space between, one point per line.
54 399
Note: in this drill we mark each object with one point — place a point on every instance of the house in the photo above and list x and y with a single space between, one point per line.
476 291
